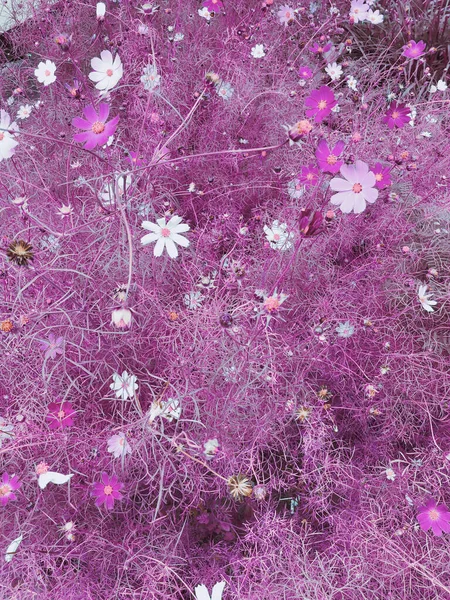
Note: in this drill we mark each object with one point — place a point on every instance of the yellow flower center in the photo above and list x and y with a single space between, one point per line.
434 514
98 127
332 159
379 176
61 414
109 72
108 490
322 105
357 188
4 490
395 114
165 232
47 73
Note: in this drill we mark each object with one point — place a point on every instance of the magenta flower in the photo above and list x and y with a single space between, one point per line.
213 5
53 346
97 129
305 73
328 159
414 49
309 175
382 176
435 517
107 491
8 485
356 189
311 222
319 103
60 415
320 48
397 115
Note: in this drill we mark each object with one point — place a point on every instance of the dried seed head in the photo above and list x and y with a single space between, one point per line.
239 486
20 252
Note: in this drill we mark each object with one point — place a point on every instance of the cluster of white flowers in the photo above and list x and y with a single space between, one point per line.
360 11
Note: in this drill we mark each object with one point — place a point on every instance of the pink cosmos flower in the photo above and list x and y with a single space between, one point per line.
305 73
286 15
213 5
382 176
97 130
328 159
107 491
60 415
356 189
309 175
397 115
321 48
53 346
414 49
435 517
319 103
8 485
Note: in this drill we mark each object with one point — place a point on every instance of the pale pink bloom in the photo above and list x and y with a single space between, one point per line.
45 72
356 189
286 15
121 318
107 71
118 445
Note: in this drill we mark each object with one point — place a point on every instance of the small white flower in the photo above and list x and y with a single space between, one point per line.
7 141
424 299
107 71
166 235
192 187
390 474
295 189
258 51
391 96
334 71
121 317
358 11
178 37
193 300
24 111
384 370
352 82
211 447
426 134
286 15
6 431
53 477
441 86
277 236
171 409
101 10
12 548
374 17
204 12
201 592
124 386
118 445
45 72
65 210
150 78
345 330
224 90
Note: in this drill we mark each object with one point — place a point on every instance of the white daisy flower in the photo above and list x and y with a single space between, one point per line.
440 86
118 445
358 11
390 474
334 71
277 236
352 82
258 51
345 330
201 591
374 17
204 12
424 299
295 189
166 235
211 447
107 71
193 300
7 141
24 111
45 72
224 90
124 386
150 78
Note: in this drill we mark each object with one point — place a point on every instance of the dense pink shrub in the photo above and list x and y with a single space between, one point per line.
233 378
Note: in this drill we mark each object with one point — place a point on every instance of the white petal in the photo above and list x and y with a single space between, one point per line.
11 549
201 592
359 204
180 240
52 477
159 246
149 238
171 248
106 56
218 590
340 185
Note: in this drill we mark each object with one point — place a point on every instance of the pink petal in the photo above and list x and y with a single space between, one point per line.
370 194
340 185
103 112
90 114
81 123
